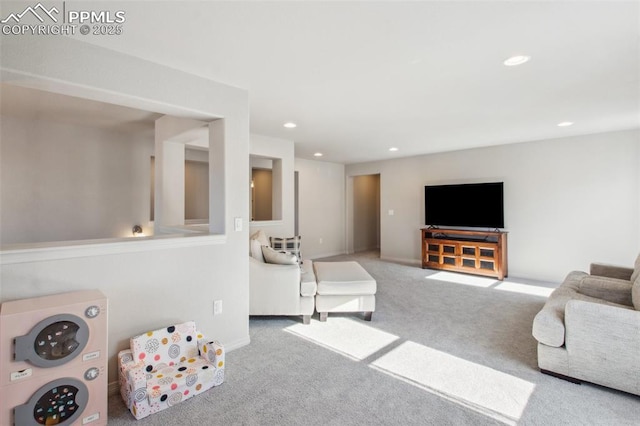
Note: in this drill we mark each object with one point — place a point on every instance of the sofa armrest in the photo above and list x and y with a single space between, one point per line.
274 289
283 276
308 285
603 340
601 323
611 271
126 363
212 351
610 289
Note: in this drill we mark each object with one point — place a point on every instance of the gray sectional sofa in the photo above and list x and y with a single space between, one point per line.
589 328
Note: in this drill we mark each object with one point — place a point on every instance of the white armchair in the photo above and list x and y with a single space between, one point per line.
281 289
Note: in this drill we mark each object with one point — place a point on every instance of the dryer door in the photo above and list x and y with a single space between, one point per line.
59 402
54 341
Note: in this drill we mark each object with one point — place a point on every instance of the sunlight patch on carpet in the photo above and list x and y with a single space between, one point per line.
483 389
344 336
533 290
463 279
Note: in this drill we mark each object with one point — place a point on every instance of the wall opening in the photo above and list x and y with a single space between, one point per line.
366 213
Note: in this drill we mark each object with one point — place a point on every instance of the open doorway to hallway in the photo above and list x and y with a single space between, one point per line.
366 213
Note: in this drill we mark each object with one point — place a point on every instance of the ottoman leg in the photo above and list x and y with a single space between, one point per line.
323 316
367 316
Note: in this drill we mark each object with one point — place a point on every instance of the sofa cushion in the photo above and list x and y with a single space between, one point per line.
166 346
256 241
610 289
635 293
278 257
193 376
260 236
636 270
292 245
256 249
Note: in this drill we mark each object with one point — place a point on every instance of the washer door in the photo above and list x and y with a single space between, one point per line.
54 341
59 402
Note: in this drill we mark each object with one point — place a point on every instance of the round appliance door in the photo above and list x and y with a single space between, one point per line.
54 341
59 402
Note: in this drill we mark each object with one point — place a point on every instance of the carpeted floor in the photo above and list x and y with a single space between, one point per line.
442 349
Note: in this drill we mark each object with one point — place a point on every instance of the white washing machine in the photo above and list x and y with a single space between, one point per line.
53 360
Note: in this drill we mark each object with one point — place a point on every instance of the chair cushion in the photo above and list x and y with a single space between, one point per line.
166 346
172 384
291 244
278 257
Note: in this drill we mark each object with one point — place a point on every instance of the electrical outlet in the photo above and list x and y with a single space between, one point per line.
237 224
217 307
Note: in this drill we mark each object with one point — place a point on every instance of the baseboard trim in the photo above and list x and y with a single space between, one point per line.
330 254
114 387
416 262
231 346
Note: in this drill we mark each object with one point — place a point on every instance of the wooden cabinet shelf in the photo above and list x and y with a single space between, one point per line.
473 252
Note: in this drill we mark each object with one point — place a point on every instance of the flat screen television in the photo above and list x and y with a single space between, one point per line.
473 205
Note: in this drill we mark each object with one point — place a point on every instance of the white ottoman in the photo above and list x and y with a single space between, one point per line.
344 287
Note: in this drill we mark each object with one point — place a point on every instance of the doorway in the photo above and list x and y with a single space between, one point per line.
366 213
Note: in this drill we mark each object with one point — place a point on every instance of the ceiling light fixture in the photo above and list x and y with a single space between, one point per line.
393 149
565 124
290 125
317 154
517 60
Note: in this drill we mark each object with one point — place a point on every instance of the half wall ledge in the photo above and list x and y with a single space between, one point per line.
37 252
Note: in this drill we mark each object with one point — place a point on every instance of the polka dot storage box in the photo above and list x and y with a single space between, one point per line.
166 366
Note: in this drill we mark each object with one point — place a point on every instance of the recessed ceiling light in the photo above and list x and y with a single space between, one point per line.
393 149
517 60
317 154
565 124
290 125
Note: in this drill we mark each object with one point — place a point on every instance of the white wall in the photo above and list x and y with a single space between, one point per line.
568 201
65 182
162 281
321 208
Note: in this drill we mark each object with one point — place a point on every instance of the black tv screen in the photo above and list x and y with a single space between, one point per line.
474 205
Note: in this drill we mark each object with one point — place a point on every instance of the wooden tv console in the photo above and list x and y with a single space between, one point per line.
473 252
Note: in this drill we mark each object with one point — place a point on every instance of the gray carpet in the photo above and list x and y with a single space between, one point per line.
435 353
